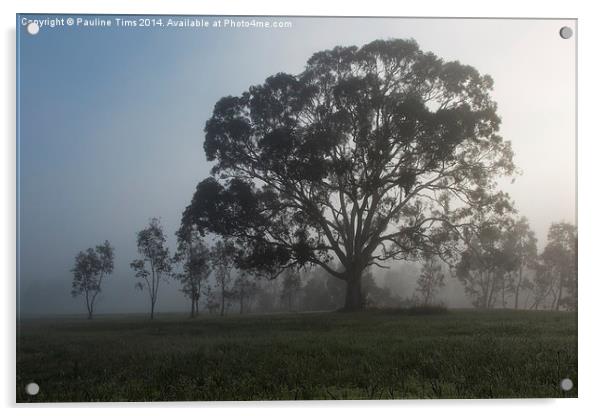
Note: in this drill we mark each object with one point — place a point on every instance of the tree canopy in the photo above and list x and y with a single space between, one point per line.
370 154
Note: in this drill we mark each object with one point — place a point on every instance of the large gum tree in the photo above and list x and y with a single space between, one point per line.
370 154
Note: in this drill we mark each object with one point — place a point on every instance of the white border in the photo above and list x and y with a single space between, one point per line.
589 158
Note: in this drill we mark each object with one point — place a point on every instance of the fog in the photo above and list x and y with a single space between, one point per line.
111 131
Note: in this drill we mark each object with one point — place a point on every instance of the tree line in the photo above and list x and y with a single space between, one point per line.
501 265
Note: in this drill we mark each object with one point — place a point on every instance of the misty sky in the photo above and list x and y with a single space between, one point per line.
111 129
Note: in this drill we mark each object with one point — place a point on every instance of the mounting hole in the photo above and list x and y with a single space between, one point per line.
566 32
33 28
32 389
566 384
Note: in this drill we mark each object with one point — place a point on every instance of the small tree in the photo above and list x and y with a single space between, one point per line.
291 285
154 264
267 295
91 266
559 261
521 249
542 287
377 296
322 292
244 288
430 281
212 304
483 264
194 257
223 262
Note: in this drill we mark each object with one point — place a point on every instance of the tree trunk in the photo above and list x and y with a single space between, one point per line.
90 310
192 307
560 284
490 288
526 302
223 303
503 292
518 284
353 297
486 290
88 306
153 290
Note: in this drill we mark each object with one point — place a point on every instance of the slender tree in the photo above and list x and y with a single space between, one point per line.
154 264
194 258
559 261
223 261
244 289
91 266
521 249
430 281
483 264
213 304
543 287
370 154
291 285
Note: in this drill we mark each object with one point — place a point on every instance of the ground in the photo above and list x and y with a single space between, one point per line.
370 355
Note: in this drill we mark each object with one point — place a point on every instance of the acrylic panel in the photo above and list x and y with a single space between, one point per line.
256 208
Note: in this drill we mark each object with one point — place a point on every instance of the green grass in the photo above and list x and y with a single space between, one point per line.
371 355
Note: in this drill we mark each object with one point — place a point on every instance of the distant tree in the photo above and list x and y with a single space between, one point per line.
376 296
223 261
213 304
521 251
194 257
431 279
268 295
570 301
396 279
559 265
291 286
483 264
322 292
91 266
370 154
243 289
154 264
542 287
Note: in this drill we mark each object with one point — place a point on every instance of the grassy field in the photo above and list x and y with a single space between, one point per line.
372 355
